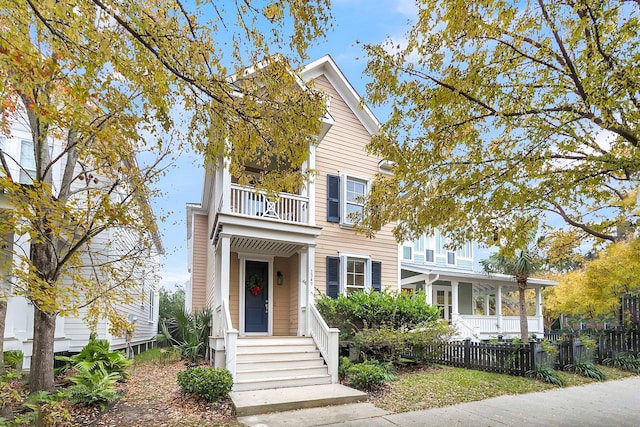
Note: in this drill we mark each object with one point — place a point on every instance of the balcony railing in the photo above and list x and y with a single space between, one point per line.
287 207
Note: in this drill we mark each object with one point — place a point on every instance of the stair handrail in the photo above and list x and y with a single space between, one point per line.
230 340
326 339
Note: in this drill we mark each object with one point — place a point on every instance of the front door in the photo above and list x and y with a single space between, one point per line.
256 297
442 299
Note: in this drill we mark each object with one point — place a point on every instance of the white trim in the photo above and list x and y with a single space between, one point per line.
241 273
344 177
344 257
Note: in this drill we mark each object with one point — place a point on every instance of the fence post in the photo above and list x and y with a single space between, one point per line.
467 353
532 351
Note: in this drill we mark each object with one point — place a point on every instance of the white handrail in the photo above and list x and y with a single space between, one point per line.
286 207
326 339
230 340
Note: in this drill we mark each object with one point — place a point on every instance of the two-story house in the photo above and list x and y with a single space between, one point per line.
71 333
258 263
472 301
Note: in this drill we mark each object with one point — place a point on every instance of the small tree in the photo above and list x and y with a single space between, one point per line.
521 265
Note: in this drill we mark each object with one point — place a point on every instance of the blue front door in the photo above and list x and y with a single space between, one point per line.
256 294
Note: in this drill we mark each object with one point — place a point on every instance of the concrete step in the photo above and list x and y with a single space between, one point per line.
252 341
255 402
281 382
283 355
279 362
261 374
275 348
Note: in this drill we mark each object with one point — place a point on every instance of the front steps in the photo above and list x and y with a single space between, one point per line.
254 402
278 362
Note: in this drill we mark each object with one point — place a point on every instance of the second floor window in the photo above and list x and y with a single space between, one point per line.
345 198
27 162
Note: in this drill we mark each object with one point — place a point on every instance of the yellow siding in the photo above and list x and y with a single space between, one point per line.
234 299
199 264
343 151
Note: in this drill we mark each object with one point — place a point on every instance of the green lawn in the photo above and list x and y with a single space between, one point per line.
444 386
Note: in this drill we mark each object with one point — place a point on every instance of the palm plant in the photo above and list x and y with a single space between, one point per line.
521 266
189 332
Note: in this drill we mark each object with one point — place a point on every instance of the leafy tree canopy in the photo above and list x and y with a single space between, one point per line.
594 291
504 112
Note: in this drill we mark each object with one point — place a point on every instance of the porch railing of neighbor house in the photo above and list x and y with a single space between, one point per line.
326 339
286 207
230 339
493 325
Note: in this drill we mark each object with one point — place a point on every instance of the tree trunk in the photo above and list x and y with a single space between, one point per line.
524 325
44 329
3 316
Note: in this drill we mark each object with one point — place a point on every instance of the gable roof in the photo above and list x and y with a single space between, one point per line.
326 66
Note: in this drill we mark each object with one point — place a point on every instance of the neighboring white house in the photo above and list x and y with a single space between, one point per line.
449 282
71 333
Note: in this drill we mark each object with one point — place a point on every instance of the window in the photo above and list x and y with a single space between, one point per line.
451 257
407 252
351 273
151 304
27 162
344 198
428 255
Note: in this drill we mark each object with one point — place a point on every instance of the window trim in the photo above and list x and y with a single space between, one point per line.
433 256
344 259
407 245
344 179
451 254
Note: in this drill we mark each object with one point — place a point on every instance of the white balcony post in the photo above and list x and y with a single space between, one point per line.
311 192
499 307
226 190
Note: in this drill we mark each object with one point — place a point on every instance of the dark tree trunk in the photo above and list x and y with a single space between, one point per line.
41 375
522 304
3 316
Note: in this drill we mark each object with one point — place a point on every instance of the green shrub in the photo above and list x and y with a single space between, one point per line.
546 374
209 383
46 409
96 355
359 310
13 359
344 364
624 361
93 386
370 375
588 370
187 331
391 345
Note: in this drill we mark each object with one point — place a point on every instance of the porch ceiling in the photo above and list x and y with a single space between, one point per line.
261 246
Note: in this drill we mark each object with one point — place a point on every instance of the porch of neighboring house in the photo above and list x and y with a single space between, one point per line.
266 331
473 302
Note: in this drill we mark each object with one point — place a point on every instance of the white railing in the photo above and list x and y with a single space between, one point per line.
465 329
326 339
230 340
287 207
509 324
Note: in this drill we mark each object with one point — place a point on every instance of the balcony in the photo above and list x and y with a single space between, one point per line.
247 201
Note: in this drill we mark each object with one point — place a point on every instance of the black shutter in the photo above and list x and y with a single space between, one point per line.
333 275
333 198
376 275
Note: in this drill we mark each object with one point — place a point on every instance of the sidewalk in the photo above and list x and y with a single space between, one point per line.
611 403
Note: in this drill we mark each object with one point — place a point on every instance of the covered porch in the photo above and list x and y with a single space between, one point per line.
474 302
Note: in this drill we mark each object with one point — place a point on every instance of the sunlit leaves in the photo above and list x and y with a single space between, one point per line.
504 111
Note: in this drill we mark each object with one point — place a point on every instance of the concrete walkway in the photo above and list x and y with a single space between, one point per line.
611 403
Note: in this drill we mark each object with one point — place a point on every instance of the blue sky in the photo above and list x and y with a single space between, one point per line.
354 20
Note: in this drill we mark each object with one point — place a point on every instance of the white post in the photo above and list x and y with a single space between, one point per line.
499 308
303 303
454 300
332 360
311 256
311 193
225 258
539 310
226 191
428 292
487 297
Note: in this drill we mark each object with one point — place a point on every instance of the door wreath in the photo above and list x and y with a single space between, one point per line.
254 284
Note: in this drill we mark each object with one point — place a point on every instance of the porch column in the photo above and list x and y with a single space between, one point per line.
454 300
225 258
303 296
226 192
539 310
487 297
311 256
428 291
499 308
